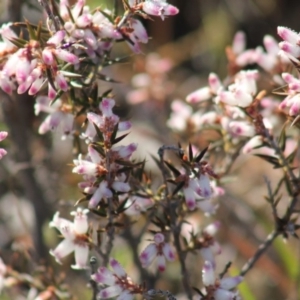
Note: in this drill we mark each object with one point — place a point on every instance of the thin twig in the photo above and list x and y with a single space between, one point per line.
110 233
110 225
280 223
93 264
260 251
54 19
271 197
175 228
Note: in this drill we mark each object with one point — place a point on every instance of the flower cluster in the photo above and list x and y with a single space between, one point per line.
218 289
118 283
102 168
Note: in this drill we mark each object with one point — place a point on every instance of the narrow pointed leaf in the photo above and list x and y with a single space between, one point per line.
191 157
173 169
178 188
119 139
201 154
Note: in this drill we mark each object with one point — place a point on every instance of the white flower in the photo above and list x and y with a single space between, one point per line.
75 238
160 250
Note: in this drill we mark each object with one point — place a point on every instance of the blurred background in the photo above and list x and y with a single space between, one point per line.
181 53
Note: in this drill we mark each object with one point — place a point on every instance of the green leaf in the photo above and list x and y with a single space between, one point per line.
271 159
31 31
18 42
282 138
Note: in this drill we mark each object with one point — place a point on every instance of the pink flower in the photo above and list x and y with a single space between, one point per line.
75 238
159 250
239 42
159 8
3 135
94 167
218 289
117 281
290 45
206 93
106 121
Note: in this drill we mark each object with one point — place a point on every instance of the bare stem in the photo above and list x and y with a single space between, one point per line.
175 228
93 264
110 225
260 251
110 233
52 17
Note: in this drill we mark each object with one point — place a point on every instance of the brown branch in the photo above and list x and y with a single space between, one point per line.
175 228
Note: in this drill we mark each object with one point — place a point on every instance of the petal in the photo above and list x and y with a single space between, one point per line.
288 34
190 198
110 292
118 269
239 42
208 275
161 263
94 155
64 248
123 187
3 135
199 95
148 255
221 294
80 220
230 282
208 255
214 82
3 152
81 256
105 276
106 106
168 252
205 187
125 295
212 228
